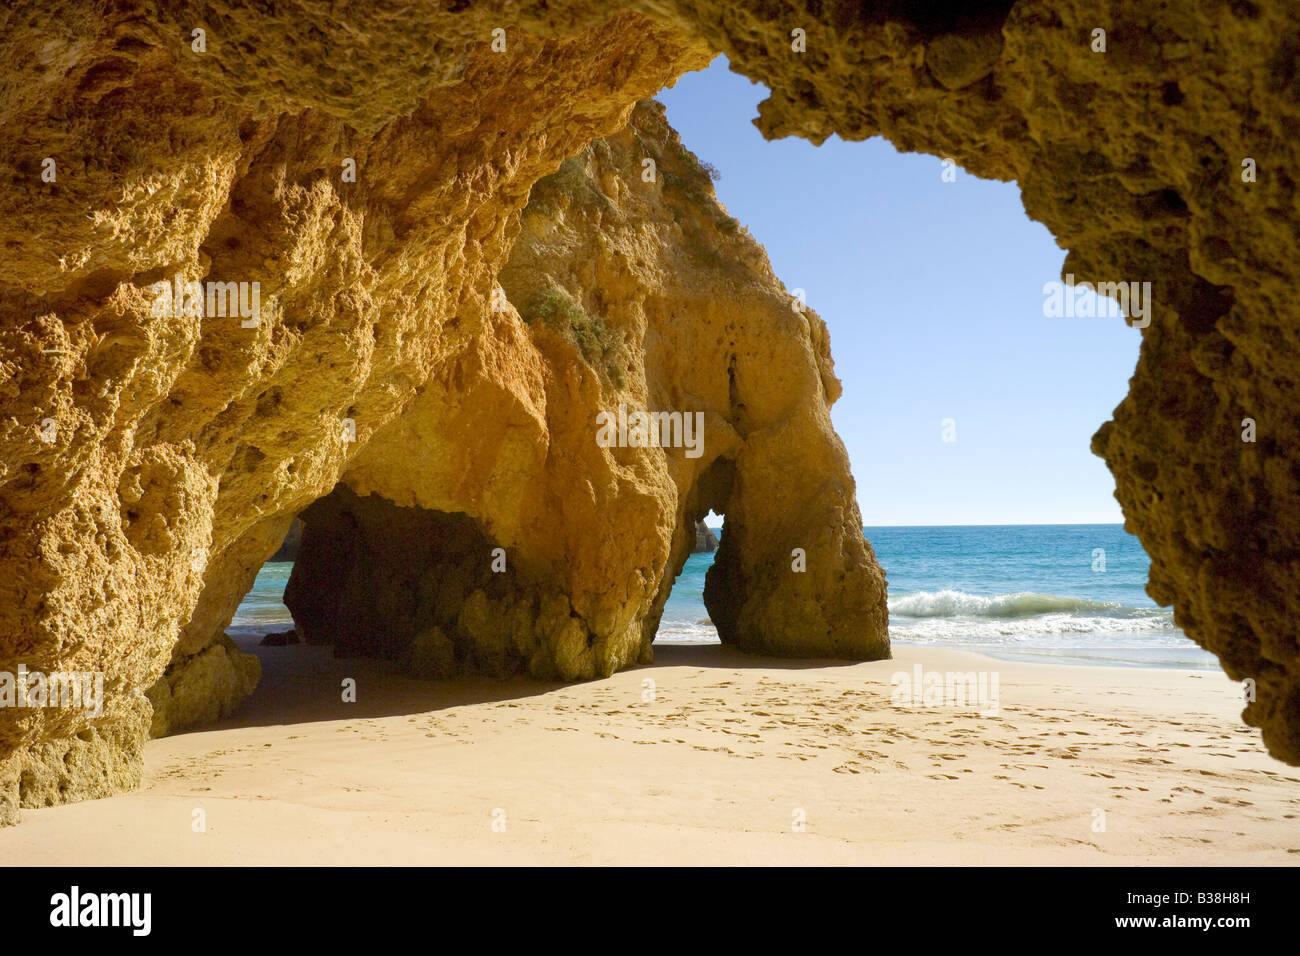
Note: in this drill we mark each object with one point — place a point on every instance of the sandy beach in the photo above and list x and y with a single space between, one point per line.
718 768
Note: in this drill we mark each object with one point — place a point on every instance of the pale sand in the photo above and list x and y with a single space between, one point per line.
711 772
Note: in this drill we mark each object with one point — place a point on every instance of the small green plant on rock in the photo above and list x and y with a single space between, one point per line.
601 346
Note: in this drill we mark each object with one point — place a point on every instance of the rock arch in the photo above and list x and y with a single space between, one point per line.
621 296
183 445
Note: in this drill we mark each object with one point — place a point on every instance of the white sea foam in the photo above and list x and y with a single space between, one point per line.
1021 604
686 632
1024 620
1027 619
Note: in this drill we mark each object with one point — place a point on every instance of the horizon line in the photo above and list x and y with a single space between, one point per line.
1009 524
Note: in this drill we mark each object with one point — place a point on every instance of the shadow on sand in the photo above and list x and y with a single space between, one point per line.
302 684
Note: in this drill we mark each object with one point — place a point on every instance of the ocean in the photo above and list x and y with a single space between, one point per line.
262 610
1069 593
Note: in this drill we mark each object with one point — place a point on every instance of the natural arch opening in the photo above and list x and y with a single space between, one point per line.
428 590
679 614
970 397
149 442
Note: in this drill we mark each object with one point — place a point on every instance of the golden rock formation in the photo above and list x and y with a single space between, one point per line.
629 290
151 458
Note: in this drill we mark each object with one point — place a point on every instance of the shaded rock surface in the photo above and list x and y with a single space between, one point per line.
288 550
280 639
706 542
203 688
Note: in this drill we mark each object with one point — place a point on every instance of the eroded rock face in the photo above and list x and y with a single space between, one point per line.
1134 158
706 542
149 463
152 461
623 290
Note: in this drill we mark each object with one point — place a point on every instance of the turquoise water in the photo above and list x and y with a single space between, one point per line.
1017 592
1023 592
262 610
1072 592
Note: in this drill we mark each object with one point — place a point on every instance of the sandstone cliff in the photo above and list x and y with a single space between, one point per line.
706 542
150 461
624 288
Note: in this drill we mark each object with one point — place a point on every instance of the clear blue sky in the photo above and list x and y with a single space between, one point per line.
933 293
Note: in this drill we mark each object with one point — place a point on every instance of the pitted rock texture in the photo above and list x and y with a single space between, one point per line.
149 464
202 687
622 289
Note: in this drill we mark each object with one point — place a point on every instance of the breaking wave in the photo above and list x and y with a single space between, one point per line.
1019 605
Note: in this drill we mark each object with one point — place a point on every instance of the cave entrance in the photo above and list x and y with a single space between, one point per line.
363 593
685 618
428 590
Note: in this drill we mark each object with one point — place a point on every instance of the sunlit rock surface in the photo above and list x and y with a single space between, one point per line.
629 289
149 462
